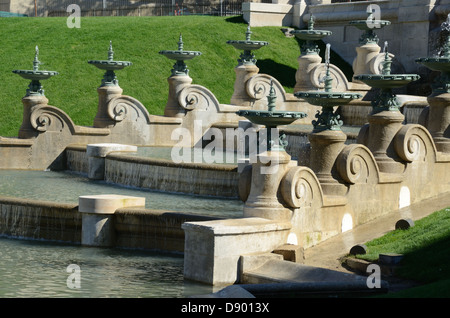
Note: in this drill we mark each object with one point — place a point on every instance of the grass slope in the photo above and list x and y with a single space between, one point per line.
426 249
135 39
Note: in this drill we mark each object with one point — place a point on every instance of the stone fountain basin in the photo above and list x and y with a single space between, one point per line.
441 64
35 75
388 81
110 65
310 35
180 55
322 98
271 118
248 45
362 24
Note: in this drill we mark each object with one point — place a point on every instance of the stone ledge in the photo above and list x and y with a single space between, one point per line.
107 203
103 149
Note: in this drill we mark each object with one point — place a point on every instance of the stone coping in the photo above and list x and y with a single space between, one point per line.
238 226
107 203
37 203
103 149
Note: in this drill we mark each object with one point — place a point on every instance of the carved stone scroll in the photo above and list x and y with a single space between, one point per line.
301 188
414 142
258 86
122 107
197 97
50 118
356 164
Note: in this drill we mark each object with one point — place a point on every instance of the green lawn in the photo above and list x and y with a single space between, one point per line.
135 39
426 249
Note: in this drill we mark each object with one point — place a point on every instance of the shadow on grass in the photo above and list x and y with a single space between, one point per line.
236 19
428 264
283 73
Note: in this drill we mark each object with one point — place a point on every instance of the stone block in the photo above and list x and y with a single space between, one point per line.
97 217
96 154
213 248
107 203
290 252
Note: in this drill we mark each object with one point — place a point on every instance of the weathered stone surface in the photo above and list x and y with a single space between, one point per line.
290 252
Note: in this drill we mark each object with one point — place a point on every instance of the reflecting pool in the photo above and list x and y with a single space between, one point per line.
39 269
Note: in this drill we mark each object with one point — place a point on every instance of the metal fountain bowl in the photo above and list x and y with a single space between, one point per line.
271 118
323 98
180 55
109 65
247 45
388 80
435 63
35 75
312 35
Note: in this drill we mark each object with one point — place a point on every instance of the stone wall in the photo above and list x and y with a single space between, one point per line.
411 34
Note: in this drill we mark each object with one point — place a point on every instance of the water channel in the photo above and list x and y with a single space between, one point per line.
35 268
30 269
67 187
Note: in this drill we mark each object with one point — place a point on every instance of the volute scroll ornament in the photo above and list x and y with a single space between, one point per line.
414 142
301 188
50 118
259 85
121 107
356 164
197 97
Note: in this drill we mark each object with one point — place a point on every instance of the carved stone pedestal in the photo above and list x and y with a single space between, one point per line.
384 126
31 102
306 64
365 55
325 148
439 120
176 84
105 94
267 174
243 73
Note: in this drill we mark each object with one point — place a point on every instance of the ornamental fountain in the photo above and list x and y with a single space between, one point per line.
309 58
271 163
179 78
311 69
438 121
34 97
366 61
109 87
385 120
327 137
246 67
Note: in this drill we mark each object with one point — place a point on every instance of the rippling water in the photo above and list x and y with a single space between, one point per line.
39 269
67 187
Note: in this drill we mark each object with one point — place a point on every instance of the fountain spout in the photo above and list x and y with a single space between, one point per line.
387 61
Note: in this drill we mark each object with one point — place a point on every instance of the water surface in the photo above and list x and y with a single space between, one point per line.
67 187
39 269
